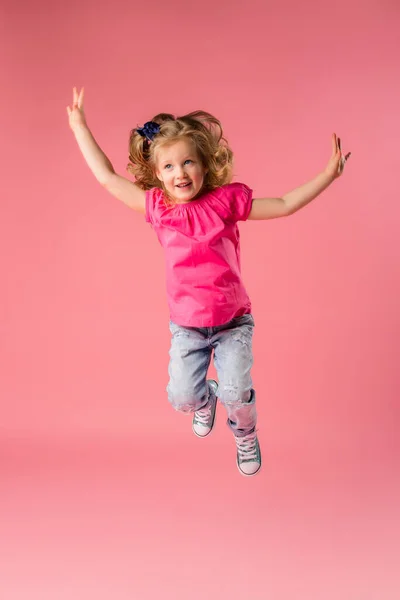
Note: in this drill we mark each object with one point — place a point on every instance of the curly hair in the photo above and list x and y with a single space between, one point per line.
204 130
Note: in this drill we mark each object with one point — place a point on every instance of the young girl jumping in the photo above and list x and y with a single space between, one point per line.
183 172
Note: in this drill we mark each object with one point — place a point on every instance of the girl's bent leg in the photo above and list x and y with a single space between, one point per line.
233 361
190 357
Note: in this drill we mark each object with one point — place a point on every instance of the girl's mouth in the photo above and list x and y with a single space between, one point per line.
183 185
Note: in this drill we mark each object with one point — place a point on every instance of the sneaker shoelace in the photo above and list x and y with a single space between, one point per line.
247 448
204 414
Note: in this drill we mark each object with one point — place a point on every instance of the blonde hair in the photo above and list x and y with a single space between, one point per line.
204 130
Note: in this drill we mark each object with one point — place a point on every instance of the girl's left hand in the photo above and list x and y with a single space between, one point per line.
337 161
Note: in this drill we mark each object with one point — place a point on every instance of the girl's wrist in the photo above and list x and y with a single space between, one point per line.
79 128
328 177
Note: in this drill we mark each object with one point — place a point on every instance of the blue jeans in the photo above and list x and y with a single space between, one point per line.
190 356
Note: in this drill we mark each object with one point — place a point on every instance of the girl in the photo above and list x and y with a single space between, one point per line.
183 172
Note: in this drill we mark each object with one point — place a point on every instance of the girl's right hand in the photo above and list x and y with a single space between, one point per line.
76 114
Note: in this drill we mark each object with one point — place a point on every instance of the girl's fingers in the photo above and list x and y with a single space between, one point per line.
347 156
334 144
80 98
77 99
68 111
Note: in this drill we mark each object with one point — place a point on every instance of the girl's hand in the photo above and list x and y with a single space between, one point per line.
337 161
76 114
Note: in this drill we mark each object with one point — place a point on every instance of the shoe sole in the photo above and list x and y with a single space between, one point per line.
213 423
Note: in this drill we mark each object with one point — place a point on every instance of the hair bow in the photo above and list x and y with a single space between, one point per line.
149 130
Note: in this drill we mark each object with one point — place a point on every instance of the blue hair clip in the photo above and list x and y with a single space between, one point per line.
149 130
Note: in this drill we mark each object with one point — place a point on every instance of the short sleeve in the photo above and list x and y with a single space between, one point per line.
238 201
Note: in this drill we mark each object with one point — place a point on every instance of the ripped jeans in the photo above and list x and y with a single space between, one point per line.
190 356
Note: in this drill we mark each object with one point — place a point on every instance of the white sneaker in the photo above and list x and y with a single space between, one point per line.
248 454
204 419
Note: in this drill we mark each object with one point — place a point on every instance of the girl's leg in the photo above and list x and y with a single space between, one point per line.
190 356
233 361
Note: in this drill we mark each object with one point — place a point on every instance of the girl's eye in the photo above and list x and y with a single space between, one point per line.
188 161
167 166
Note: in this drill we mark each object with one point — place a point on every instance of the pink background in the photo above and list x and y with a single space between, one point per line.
105 492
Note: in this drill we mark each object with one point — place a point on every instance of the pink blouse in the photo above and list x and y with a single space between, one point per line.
202 254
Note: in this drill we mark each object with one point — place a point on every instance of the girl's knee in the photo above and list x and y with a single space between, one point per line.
232 395
185 402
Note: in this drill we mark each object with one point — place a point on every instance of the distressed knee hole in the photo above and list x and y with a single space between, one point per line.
233 395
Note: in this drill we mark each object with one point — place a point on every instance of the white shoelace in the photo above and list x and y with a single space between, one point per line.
203 415
246 446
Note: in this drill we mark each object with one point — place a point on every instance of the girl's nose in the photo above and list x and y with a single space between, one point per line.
182 171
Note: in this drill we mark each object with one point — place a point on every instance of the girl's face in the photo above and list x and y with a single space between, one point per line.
180 170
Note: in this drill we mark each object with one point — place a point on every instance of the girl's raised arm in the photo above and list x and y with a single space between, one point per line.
271 208
120 187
